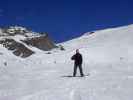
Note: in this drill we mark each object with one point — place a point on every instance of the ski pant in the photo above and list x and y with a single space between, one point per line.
80 69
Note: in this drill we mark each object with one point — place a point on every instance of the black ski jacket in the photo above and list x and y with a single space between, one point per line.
77 58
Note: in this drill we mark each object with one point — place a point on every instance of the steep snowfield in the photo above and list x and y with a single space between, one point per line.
109 44
107 58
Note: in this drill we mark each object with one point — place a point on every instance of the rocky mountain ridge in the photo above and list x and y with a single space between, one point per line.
19 40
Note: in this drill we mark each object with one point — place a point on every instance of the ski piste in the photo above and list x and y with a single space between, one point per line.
107 56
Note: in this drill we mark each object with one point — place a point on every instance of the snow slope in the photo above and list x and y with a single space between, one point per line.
107 58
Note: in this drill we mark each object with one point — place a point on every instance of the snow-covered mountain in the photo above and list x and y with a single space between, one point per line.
20 41
109 44
108 58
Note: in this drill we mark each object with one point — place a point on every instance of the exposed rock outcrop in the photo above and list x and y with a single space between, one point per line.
19 40
42 42
17 48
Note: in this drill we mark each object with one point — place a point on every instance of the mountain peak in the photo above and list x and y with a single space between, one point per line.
18 30
19 40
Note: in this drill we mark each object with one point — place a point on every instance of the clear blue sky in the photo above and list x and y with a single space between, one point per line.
66 19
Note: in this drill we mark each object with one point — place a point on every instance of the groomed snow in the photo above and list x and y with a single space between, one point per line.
107 57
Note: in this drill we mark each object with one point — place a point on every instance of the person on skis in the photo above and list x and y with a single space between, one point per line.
77 63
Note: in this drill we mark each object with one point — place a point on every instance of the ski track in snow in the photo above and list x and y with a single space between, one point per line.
39 77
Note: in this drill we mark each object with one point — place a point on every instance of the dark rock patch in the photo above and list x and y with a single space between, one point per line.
17 48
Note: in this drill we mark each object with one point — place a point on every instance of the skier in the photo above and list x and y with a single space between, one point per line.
77 63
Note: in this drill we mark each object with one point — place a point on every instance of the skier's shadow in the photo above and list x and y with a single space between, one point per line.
75 76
